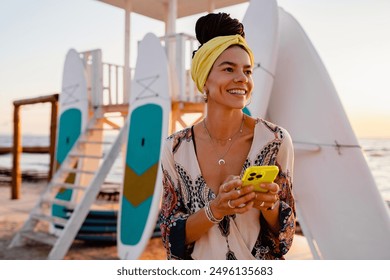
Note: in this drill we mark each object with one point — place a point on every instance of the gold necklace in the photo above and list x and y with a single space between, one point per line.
221 160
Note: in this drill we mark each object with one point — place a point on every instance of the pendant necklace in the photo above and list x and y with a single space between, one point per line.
221 160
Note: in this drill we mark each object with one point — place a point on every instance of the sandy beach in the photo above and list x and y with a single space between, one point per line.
13 213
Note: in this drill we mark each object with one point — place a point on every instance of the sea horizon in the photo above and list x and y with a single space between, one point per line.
6 140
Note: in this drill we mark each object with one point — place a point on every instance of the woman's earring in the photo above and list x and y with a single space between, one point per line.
204 95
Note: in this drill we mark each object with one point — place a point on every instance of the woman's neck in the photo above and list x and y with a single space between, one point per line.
224 125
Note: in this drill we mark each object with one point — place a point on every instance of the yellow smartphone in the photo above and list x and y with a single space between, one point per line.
255 175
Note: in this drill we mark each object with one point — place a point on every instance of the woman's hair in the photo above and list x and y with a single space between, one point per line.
214 25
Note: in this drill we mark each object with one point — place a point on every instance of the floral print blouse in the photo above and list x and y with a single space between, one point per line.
185 192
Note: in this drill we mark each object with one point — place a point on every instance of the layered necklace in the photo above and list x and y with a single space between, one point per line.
231 139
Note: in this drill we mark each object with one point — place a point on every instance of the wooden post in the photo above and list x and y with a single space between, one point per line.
17 145
17 149
53 134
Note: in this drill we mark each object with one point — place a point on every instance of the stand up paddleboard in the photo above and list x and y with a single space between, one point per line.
261 33
73 117
340 209
149 111
98 226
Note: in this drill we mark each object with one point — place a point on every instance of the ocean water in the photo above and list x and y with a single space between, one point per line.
40 162
376 152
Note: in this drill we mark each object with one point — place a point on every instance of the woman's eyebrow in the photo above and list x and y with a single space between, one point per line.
232 64
227 63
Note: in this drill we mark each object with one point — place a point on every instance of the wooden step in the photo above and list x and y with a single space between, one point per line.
68 186
104 128
51 219
40 237
111 117
60 202
85 156
79 171
95 142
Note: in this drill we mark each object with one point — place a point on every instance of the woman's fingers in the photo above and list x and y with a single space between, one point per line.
270 187
244 208
240 201
231 183
268 200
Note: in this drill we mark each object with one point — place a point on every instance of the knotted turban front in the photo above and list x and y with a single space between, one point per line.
206 55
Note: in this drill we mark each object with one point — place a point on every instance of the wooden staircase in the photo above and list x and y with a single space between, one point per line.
40 225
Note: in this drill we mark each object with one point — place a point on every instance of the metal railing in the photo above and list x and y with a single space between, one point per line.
179 48
113 84
105 81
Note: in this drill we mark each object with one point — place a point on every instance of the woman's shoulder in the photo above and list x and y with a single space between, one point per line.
176 139
185 133
279 132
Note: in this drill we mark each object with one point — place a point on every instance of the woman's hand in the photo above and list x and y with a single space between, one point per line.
267 200
232 199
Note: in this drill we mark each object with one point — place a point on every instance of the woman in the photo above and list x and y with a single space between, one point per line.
206 213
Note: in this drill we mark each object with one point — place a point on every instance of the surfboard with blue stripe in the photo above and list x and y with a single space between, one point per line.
148 126
73 103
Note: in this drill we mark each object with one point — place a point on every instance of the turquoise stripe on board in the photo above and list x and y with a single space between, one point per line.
144 139
133 221
69 131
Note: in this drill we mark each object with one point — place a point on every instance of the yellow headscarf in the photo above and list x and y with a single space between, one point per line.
206 56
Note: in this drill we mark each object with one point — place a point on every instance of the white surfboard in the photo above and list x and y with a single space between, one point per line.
261 32
72 120
149 111
340 209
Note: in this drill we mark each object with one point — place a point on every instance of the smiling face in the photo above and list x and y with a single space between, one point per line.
230 81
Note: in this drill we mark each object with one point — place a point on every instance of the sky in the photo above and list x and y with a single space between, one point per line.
352 38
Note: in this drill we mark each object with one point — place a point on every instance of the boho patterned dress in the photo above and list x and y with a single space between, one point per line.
241 236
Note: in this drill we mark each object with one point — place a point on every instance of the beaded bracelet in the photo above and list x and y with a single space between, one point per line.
209 214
